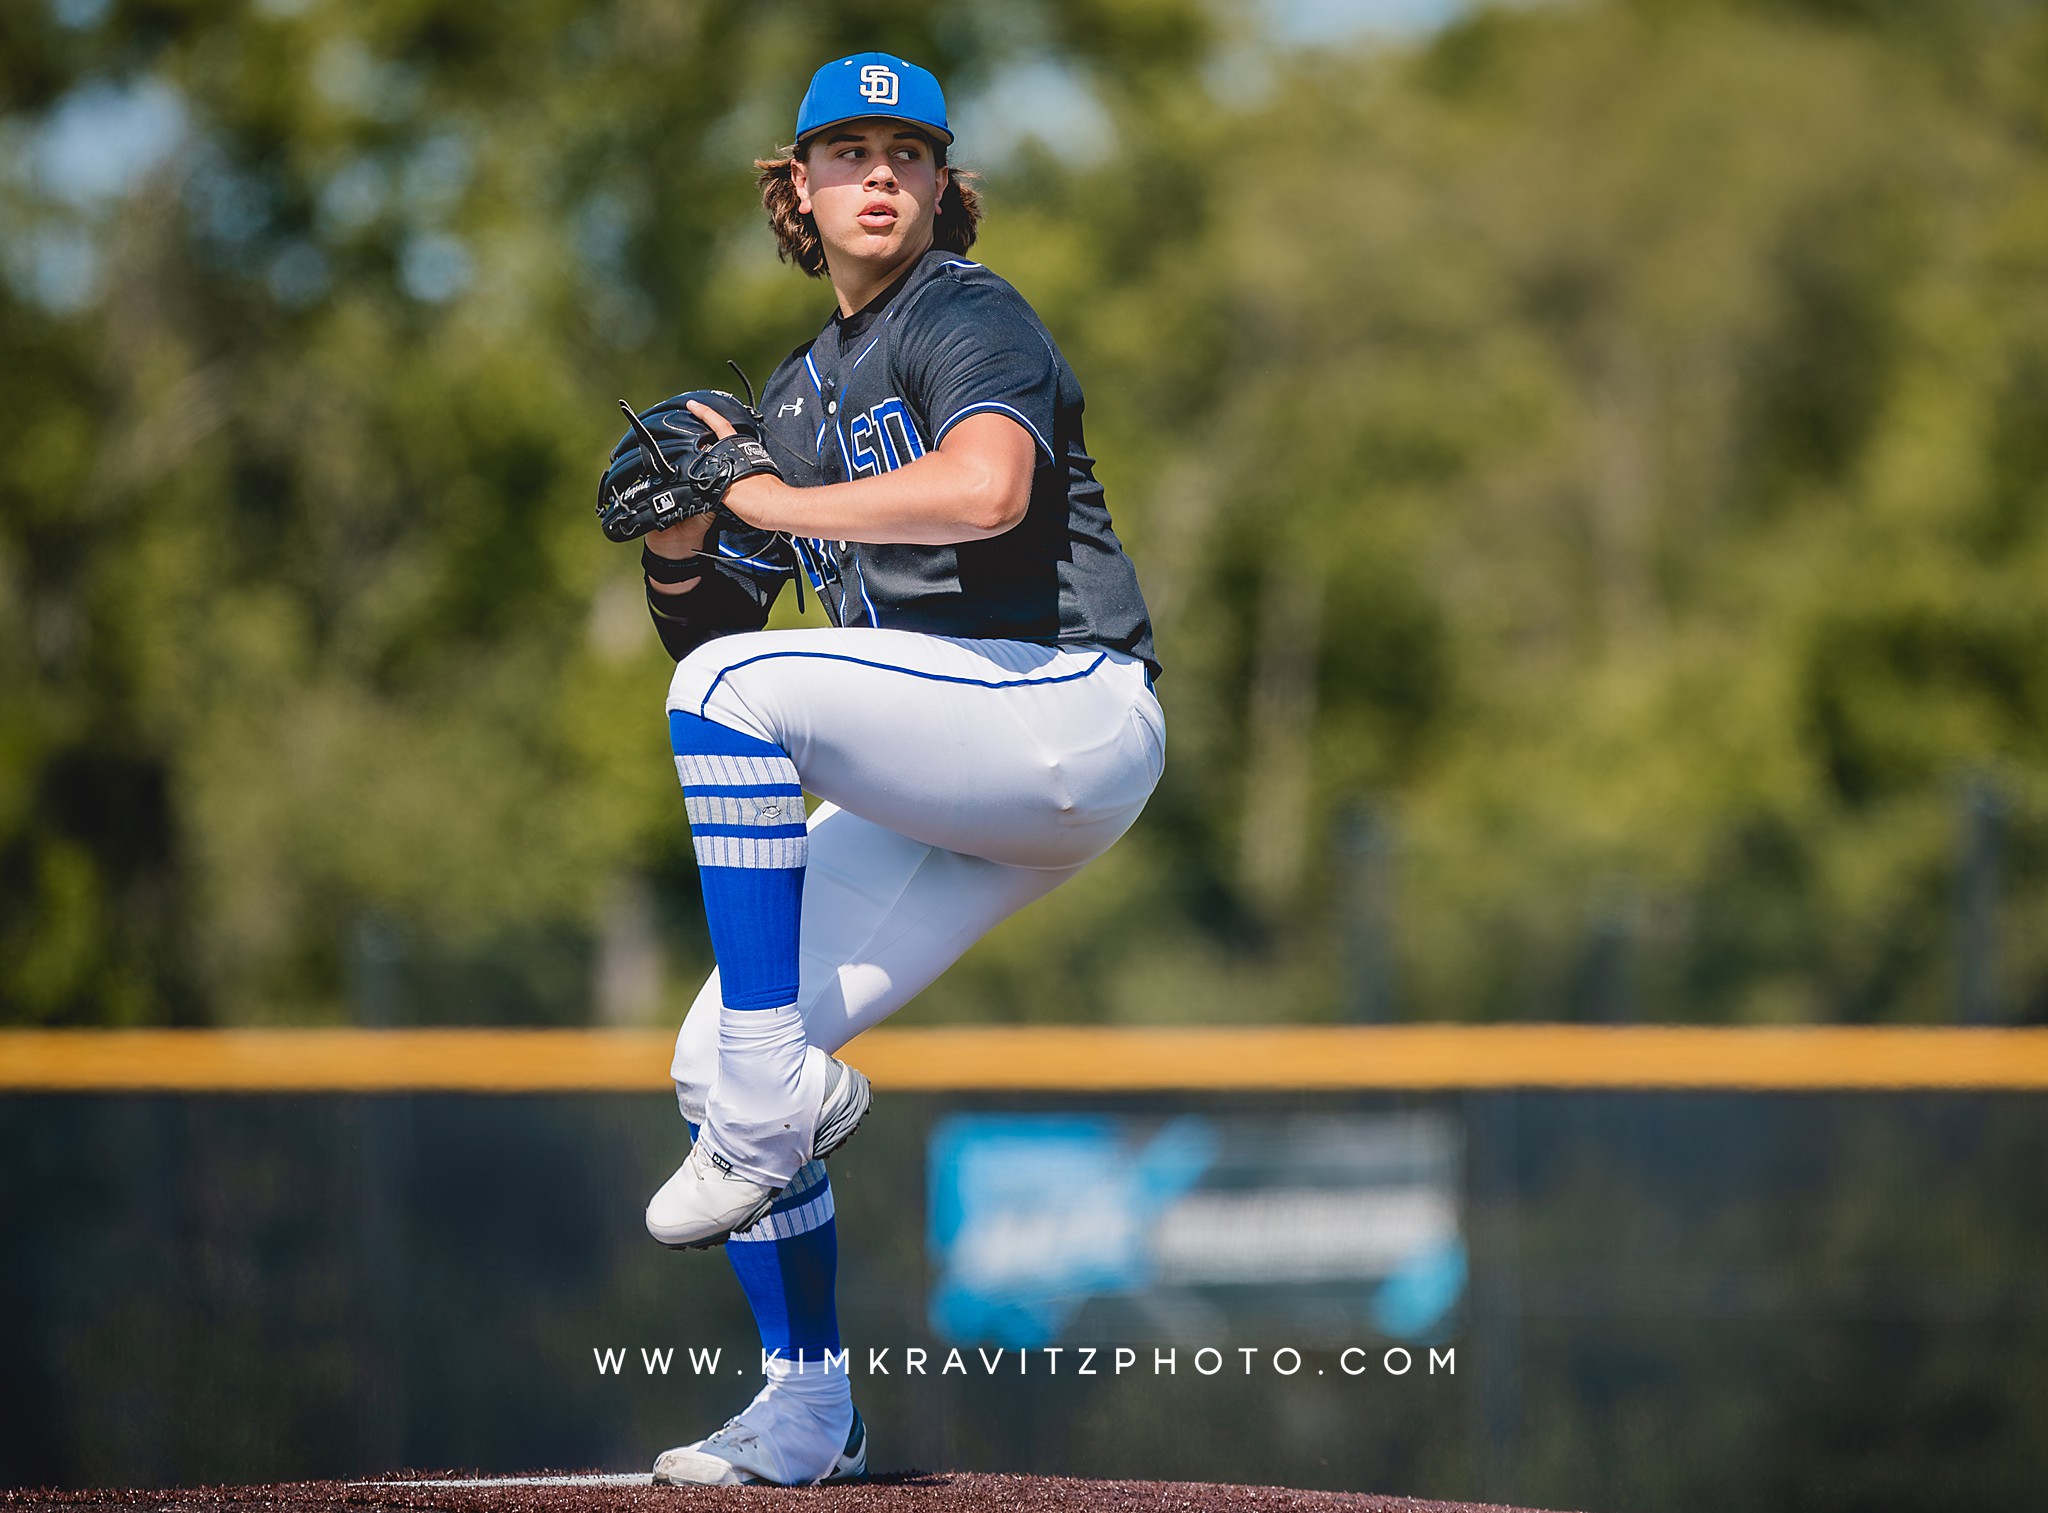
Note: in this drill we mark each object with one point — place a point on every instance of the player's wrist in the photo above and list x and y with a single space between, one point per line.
760 500
670 577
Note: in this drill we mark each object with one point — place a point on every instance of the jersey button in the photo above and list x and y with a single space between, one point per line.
831 407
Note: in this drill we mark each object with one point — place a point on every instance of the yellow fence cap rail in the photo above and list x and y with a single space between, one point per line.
1049 1058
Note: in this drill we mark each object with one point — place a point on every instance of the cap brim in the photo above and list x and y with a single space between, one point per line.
881 115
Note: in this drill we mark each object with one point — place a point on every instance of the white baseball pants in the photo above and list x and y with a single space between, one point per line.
961 779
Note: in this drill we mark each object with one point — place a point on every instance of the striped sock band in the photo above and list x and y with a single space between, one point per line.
746 811
787 1265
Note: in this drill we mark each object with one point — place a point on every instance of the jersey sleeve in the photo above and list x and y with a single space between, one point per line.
975 348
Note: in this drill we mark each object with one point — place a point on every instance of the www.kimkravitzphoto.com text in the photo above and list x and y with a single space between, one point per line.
1048 1360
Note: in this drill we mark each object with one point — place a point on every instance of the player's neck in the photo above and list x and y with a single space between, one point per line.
858 281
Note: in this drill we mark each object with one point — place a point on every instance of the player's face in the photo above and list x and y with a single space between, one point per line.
873 187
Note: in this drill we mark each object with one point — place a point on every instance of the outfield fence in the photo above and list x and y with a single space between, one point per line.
1675 1267
1054 1059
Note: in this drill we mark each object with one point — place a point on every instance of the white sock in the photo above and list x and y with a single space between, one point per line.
762 1111
803 1417
818 1384
819 1397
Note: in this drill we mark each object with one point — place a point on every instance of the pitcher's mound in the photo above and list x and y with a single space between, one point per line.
598 1492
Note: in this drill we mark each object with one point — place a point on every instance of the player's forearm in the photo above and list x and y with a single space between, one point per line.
935 501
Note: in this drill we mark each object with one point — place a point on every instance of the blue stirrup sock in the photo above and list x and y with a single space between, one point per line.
787 1264
746 811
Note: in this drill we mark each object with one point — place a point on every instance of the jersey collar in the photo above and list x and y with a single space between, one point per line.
844 330
853 327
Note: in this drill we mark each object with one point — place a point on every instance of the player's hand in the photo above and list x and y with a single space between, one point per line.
683 539
749 495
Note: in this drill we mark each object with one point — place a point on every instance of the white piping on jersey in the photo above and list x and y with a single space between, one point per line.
839 434
818 387
843 561
907 300
862 579
796 545
864 351
818 578
733 556
991 404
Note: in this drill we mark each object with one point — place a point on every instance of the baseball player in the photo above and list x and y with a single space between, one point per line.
978 723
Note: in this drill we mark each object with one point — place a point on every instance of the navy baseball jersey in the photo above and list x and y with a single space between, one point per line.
880 388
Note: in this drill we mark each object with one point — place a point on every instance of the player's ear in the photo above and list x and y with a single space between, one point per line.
799 180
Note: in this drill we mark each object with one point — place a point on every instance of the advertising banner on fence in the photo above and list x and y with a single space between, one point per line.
1051 1227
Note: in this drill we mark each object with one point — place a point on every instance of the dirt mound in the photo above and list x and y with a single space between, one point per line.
596 1492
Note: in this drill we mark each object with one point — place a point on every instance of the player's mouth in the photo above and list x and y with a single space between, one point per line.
877 213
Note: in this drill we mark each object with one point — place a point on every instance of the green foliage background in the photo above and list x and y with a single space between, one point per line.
1605 441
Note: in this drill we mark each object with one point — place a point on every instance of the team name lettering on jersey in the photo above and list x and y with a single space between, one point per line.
883 439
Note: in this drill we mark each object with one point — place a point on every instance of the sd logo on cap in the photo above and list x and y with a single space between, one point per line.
872 84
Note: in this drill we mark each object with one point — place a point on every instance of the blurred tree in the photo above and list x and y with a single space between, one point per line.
1605 437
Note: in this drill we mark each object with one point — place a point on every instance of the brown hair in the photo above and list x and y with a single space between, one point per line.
796 234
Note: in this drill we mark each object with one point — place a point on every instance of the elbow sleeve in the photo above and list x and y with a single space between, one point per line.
724 601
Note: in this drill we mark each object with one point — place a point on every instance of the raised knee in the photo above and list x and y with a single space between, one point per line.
691 1093
696 675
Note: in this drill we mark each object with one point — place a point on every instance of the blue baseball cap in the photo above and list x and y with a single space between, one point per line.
873 84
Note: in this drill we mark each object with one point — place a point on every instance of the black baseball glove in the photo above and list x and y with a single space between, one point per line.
669 467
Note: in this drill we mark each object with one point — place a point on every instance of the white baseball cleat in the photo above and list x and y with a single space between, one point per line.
785 1444
848 1097
706 1202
